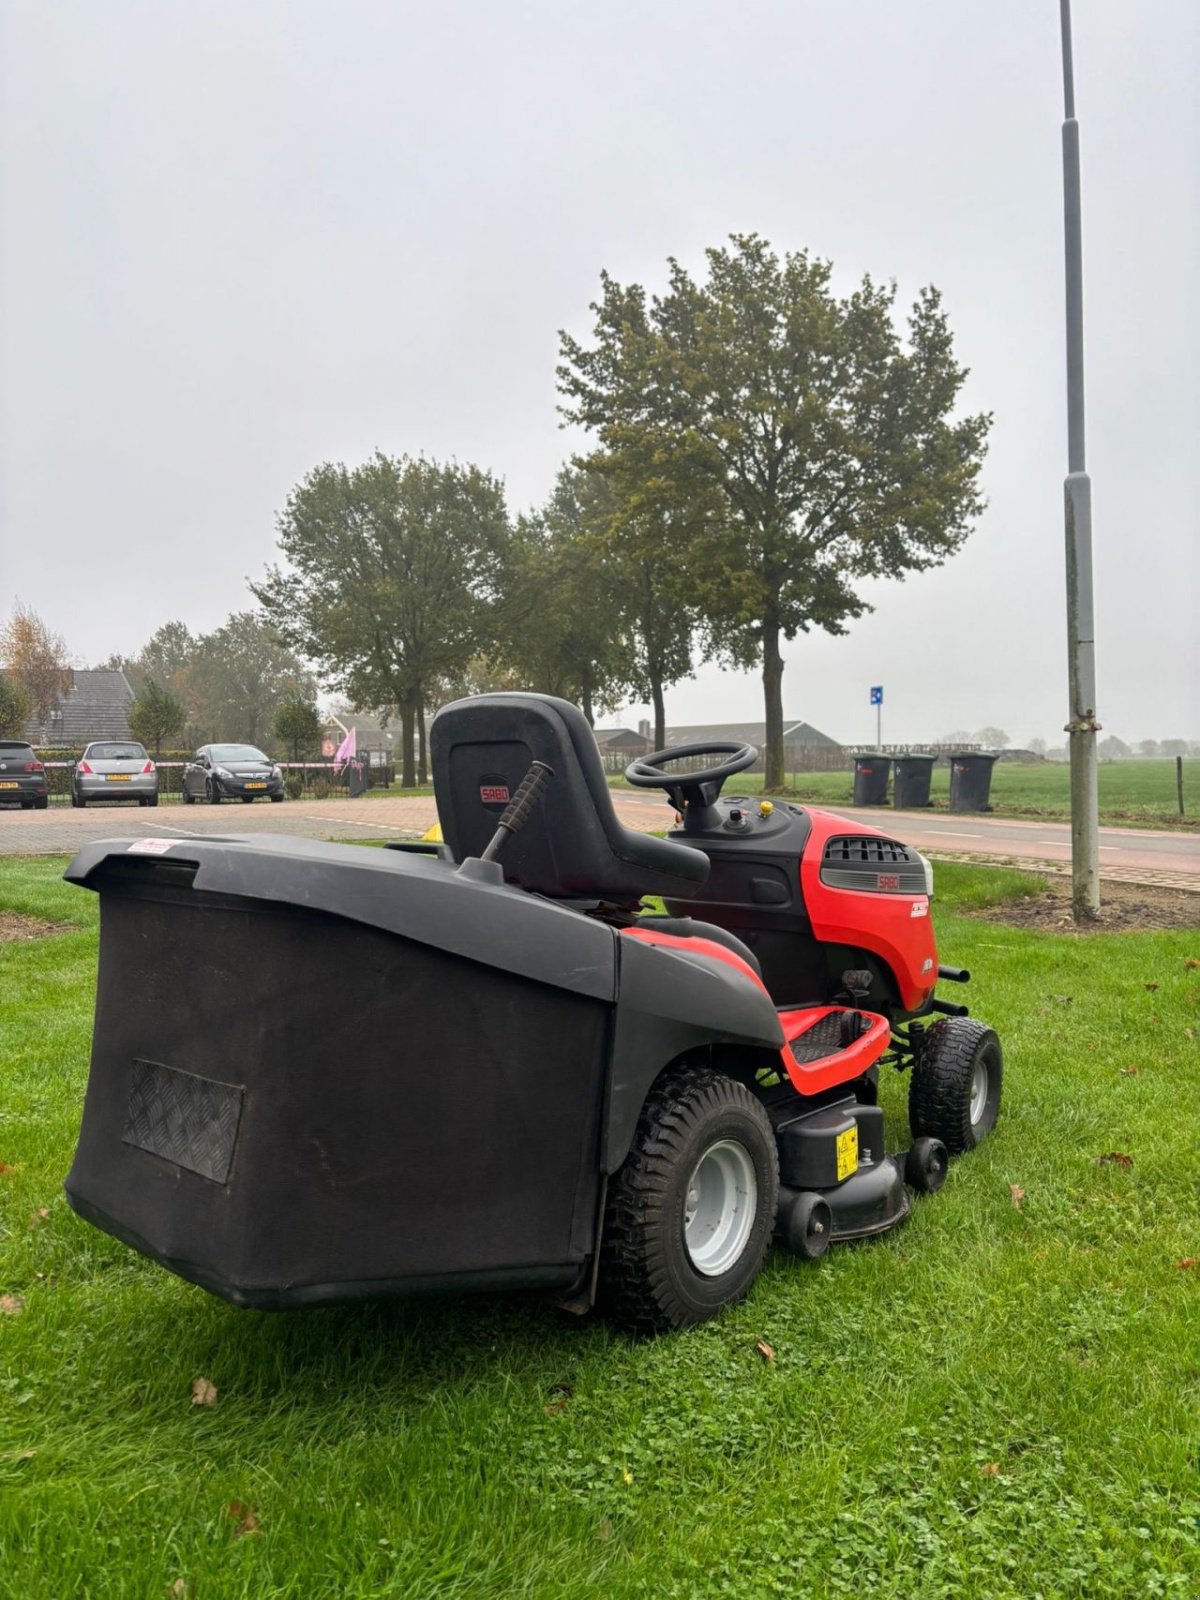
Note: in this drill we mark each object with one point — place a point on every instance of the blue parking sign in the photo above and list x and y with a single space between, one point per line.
877 695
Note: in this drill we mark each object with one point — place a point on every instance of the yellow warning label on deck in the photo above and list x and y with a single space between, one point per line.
847 1152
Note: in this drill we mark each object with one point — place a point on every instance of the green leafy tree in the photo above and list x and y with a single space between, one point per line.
238 675
391 577
167 655
297 725
561 628
802 444
156 716
16 708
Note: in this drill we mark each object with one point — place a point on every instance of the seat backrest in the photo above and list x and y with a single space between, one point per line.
573 845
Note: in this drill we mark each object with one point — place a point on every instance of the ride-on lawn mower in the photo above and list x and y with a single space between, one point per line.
324 1073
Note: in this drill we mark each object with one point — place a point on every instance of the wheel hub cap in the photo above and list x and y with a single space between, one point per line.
719 1207
979 1090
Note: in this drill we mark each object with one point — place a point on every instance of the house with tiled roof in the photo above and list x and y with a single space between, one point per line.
96 706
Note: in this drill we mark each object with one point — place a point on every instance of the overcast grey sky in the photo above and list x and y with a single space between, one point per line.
240 237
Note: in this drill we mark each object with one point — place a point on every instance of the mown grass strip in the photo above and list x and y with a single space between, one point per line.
991 1403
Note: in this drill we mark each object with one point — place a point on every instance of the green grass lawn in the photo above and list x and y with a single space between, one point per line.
990 1402
1132 793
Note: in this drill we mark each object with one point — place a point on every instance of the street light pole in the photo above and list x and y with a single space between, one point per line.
1081 630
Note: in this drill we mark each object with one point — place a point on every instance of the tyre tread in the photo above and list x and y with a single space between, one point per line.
939 1091
635 1280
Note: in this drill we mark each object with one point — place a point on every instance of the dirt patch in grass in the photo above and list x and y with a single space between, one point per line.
14 926
1124 907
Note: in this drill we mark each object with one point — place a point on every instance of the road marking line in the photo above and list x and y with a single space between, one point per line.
354 822
954 833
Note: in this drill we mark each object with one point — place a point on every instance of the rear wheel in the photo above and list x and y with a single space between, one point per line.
77 799
42 801
954 1095
691 1212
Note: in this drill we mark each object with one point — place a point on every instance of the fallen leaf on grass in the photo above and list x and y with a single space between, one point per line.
990 1469
1185 1262
245 1520
178 1589
17 1455
562 1387
1017 1193
626 1475
1192 965
1130 1072
765 1351
36 1218
1116 1158
10 1305
1150 986
4 1167
1060 999
555 1406
605 1530
203 1392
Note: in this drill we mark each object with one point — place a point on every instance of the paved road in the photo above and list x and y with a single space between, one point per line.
1135 855
1132 854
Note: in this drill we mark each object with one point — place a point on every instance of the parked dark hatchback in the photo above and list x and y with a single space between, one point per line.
22 776
230 772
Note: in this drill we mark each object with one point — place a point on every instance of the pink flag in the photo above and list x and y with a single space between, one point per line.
346 751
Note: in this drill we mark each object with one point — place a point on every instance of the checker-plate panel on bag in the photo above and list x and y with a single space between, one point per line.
182 1118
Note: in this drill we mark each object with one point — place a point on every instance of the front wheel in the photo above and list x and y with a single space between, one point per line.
187 796
954 1095
211 793
691 1212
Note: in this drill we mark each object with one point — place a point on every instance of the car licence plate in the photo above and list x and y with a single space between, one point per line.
256 786
7 783
119 777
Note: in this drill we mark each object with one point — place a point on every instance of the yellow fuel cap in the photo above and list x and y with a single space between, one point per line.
765 808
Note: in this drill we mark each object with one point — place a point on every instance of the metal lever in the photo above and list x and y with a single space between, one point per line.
517 812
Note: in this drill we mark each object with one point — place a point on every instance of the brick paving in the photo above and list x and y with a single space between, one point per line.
62 829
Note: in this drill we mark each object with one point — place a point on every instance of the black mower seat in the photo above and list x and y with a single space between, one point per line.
573 845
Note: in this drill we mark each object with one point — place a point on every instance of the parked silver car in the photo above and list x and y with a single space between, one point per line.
114 769
231 772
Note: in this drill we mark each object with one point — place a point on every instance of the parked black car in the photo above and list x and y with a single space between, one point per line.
230 772
22 776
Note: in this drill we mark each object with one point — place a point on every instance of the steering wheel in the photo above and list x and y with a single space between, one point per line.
645 773
692 793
